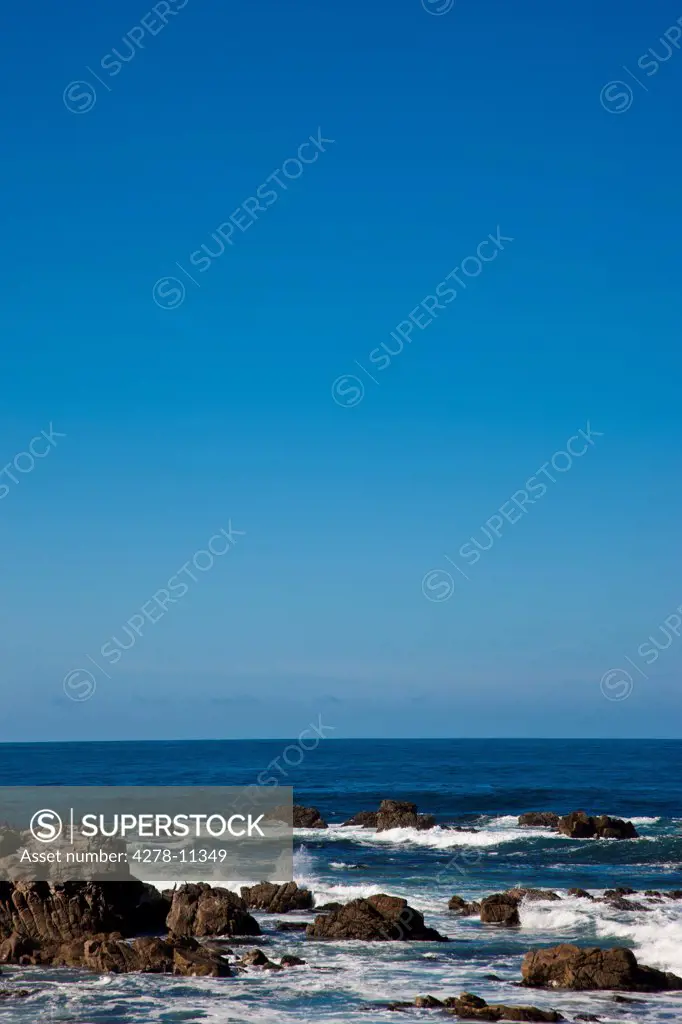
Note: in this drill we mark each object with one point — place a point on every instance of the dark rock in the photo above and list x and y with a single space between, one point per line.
500 908
59 912
379 918
401 814
199 963
471 1007
257 958
577 825
328 908
620 903
674 894
463 908
534 894
539 819
277 899
571 967
291 926
308 817
14 993
199 910
582 893
291 961
614 828
622 891
366 819
428 1003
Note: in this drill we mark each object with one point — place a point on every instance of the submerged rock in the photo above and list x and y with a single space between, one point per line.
471 1007
379 918
571 967
365 819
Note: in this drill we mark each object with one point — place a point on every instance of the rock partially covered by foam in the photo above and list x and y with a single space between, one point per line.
571 967
539 819
402 814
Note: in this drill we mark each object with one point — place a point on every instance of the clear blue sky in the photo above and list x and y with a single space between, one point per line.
446 126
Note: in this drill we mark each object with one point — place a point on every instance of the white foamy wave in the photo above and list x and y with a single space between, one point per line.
505 821
654 935
656 938
643 821
438 838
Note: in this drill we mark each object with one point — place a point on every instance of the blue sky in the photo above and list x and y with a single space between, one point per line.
447 128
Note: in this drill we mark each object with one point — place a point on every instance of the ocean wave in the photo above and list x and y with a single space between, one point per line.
438 838
655 935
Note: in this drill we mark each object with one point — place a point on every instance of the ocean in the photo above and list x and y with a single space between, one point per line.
483 784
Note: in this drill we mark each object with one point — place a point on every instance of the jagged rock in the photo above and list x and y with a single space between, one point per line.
500 908
620 891
328 908
291 961
72 910
614 828
199 910
571 967
277 899
428 1002
379 918
534 894
14 993
365 819
471 1007
199 963
582 894
462 907
579 825
401 814
308 817
618 903
539 819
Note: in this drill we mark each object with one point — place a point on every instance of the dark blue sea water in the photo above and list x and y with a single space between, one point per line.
484 784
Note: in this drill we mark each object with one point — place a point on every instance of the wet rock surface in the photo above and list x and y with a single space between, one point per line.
572 967
379 918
